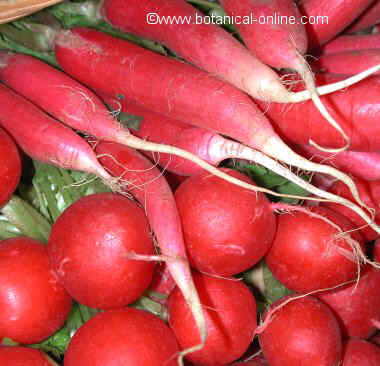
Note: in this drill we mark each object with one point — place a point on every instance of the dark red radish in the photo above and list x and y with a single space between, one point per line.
358 352
43 138
10 167
162 283
230 311
369 18
90 248
123 337
376 252
279 44
303 332
154 194
310 252
33 304
370 193
364 165
257 361
348 62
191 92
226 230
355 42
72 103
356 306
23 356
329 18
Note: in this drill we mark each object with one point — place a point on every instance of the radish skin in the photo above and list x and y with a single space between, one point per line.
177 90
355 42
358 352
368 19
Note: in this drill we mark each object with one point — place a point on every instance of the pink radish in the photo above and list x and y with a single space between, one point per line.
195 101
230 311
352 43
34 305
303 331
369 18
333 17
17 356
358 352
10 167
226 230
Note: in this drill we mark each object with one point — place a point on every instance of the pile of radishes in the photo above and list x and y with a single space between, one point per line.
227 212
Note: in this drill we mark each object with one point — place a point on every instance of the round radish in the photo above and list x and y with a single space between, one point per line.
23 356
123 337
227 229
358 352
356 305
10 167
90 248
302 332
33 304
307 253
230 311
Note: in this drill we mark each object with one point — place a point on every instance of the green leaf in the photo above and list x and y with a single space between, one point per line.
130 121
8 230
274 289
79 315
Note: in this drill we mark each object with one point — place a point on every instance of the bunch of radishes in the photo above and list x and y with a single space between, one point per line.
221 100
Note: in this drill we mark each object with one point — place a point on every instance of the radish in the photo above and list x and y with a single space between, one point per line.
370 193
352 43
76 106
230 311
17 356
10 167
358 352
364 165
303 332
154 194
348 62
226 229
333 18
126 337
280 45
89 248
312 241
257 361
170 84
357 305
34 305
368 19
42 138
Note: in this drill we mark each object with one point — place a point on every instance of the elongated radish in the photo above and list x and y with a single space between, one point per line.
175 89
152 191
364 165
330 19
352 43
10 167
76 106
43 138
280 45
155 20
348 62
370 17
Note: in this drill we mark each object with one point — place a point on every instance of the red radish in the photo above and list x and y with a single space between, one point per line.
230 311
311 242
226 230
303 332
90 247
377 252
348 62
126 337
358 352
328 19
370 193
352 43
67 100
154 194
192 97
279 44
23 356
356 306
34 305
42 138
357 110
364 165
10 167
368 19
257 361
162 283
